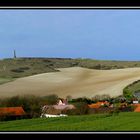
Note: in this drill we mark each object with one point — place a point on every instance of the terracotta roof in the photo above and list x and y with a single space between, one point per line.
12 111
96 105
137 109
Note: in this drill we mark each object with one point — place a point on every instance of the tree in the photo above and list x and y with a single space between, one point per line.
69 98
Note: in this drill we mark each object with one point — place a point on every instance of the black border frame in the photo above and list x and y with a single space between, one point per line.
68 135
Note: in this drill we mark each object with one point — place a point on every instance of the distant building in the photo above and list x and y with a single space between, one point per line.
135 102
98 104
15 54
137 107
62 102
12 111
58 108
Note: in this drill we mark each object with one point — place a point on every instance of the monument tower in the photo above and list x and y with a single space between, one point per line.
15 54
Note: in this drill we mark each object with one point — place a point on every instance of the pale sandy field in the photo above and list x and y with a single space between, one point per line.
75 81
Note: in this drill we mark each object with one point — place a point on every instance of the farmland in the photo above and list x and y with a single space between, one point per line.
128 121
74 81
64 77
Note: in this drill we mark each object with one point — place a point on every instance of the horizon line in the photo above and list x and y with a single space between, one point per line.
82 58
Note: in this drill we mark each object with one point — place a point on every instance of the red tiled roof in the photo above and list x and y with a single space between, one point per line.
137 109
97 105
12 111
94 106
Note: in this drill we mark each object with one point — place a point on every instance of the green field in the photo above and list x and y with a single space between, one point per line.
123 122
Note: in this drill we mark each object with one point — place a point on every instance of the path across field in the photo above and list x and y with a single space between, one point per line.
74 81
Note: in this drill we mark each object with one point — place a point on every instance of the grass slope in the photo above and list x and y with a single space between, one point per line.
103 122
21 67
134 88
5 80
11 69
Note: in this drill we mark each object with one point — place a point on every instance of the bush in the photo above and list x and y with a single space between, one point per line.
100 110
17 70
24 68
69 112
97 66
81 108
116 111
32 107
11 101
127 94
129 108
69 98
50 99
7 117
21 69
119 99
104 97
82 99
96 98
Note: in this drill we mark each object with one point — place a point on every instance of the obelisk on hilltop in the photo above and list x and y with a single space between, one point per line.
15 54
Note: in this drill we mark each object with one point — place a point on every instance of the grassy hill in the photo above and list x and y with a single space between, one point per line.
133 88
11 69
128 121
21 67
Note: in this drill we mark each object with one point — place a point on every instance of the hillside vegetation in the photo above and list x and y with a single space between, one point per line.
132 89
21 67
128 121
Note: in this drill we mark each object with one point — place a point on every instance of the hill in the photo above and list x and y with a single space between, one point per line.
74 81
21 67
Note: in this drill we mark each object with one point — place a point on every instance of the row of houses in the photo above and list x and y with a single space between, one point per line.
122 105
55 110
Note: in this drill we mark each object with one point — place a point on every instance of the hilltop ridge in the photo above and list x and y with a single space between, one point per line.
27 66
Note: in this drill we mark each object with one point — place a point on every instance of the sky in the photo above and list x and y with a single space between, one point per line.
104 34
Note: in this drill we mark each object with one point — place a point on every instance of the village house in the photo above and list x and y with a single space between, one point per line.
62 102
99 104
12 112
56 110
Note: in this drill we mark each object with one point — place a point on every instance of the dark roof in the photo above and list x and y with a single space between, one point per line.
12 111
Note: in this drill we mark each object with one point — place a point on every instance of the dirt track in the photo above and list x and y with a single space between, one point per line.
76 81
